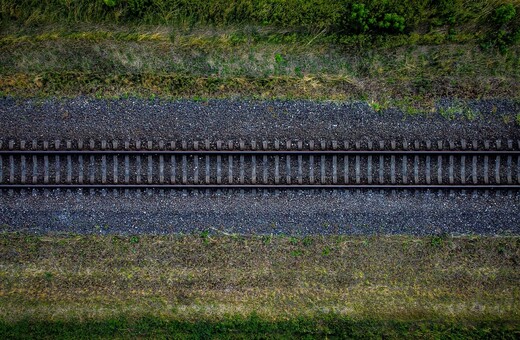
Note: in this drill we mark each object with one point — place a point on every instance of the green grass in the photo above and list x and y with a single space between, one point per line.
254 327
397 286
307 15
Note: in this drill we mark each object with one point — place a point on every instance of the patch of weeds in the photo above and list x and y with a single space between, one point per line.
48 276
436 241
378 106
293 240
279 64
459 108
501 248
200 99
266 239
326 251
297 71
470 114
297 253
204 235
134 239
279 59
307 241
448 113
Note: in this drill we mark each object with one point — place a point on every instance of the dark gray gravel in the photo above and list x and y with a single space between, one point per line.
83 118
289 213
292 212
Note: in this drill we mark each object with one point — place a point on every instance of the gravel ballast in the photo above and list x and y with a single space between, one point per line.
292 212
288 212
122 119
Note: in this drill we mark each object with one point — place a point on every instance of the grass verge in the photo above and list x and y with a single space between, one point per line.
144 285
233 63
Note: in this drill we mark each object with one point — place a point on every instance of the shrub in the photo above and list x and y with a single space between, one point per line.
361 19
392 22
504 33
504 14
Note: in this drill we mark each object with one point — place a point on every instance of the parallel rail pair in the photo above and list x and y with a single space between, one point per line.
300 169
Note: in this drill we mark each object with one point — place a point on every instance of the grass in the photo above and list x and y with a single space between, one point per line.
240 63
308 15
150 285
407 54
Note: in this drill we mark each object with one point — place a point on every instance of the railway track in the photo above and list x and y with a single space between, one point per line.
292 164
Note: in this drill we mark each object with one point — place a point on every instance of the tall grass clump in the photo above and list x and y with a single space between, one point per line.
332 16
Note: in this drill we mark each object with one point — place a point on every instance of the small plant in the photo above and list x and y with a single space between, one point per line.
280 63
294 241
326 251
279 59
448 113
266 239
110 3
296 253
392 22
436 241
134 239
204 235
48 276
307 241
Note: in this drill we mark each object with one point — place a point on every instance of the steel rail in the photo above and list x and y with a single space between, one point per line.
260 152
259 186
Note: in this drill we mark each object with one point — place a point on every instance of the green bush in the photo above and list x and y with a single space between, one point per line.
392 22
504 31
360 19
504 14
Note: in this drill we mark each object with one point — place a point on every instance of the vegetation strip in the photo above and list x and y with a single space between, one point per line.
338 284
254 327
392 53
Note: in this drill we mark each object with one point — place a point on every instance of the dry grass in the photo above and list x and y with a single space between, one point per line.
227 63
54 278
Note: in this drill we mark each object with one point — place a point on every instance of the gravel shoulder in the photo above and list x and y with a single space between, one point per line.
122 119
291 212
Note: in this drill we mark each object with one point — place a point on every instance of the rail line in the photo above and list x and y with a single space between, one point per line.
267 165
